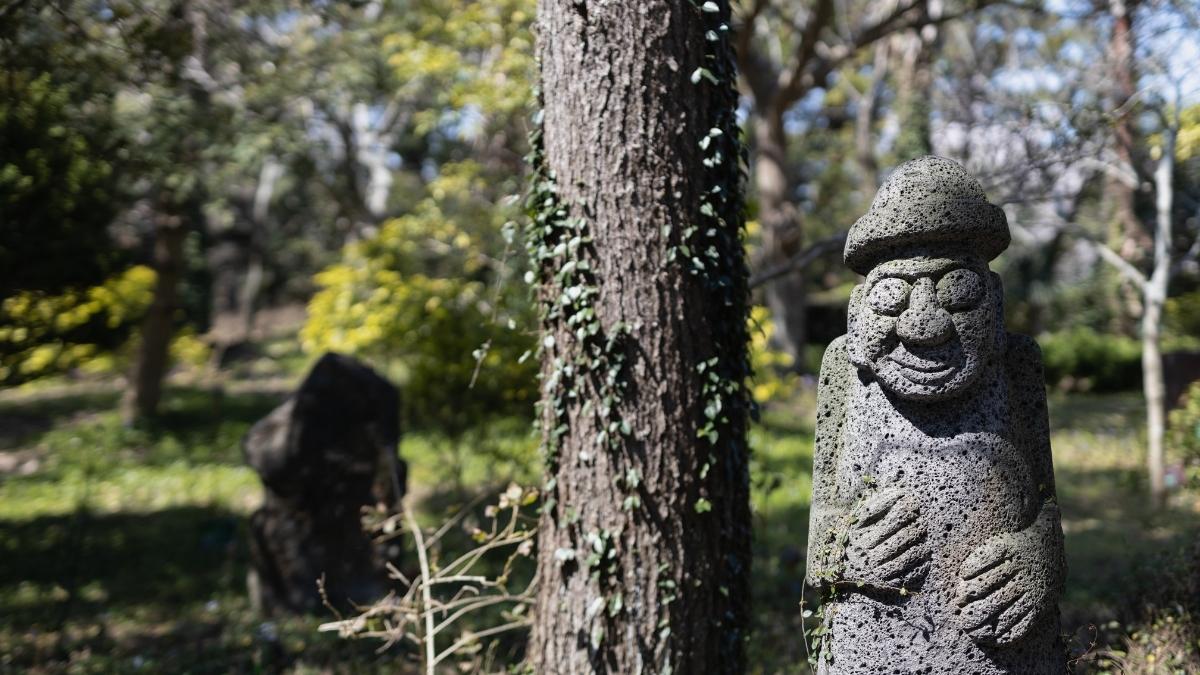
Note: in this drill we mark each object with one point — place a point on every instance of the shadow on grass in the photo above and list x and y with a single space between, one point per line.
24 418
84 564
1119 550
781 472
157 592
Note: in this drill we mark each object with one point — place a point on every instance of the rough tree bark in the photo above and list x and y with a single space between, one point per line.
636 234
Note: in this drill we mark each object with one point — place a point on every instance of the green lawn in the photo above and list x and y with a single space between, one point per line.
124 550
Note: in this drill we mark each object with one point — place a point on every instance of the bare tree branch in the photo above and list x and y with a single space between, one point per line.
800 260
1111 257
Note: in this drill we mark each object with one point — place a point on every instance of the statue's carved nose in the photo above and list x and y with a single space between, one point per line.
924 323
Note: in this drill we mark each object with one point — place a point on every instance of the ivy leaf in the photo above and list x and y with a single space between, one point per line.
703 505
704 73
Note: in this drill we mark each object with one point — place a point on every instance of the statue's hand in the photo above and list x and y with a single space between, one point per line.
1010 580
886 544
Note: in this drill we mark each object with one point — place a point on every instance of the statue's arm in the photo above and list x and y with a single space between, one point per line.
1034 557
827 516
1030 420
1031 424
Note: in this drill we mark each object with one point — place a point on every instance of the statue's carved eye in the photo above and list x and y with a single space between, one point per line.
890 296
960 289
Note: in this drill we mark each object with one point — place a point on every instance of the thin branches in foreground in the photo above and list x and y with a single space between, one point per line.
439 609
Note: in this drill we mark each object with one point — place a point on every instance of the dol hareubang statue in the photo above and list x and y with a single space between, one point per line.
934 520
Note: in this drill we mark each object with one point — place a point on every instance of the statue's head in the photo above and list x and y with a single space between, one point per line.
929 317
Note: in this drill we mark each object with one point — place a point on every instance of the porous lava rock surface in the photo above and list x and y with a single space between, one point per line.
934 530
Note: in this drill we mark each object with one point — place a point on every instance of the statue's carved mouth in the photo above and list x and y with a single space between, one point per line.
927 366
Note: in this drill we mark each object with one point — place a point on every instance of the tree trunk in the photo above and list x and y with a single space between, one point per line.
150 369
1127 227
268 178
643 555
914 98
781 232
864 123
1154 297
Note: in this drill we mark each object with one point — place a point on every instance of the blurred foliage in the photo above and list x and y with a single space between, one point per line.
470 57
56 185
1082 359
1183 430
42 334
89 329
1183 314
1187 145
433 296
774 377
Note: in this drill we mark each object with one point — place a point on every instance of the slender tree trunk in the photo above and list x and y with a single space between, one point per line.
914 85
372 147
864 123
150 368
268 178
782 232
1155 296
636 234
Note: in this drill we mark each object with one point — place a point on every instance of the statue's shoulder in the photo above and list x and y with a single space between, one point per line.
836 373
835 359
1023 355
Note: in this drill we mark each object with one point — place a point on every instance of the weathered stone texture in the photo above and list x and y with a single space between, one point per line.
323 455
934 524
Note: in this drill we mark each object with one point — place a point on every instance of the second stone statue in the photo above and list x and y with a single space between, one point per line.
934 530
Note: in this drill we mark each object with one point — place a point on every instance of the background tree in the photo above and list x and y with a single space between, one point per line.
636 242
788 58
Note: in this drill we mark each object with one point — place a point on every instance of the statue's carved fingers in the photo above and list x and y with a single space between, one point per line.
908 567
980 618
898 518
906 540
985 583
887 545
875 507
1015 622
984 558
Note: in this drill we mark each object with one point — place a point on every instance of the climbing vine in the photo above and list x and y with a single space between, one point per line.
712 250
584 374
560 249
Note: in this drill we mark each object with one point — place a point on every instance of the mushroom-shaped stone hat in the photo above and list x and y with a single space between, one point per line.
928 200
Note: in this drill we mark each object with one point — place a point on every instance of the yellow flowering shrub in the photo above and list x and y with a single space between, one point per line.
774 377
432 298
43 334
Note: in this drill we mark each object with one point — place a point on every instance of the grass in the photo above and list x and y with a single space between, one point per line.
123 550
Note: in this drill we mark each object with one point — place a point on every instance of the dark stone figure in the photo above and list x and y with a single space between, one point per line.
934 523
323 455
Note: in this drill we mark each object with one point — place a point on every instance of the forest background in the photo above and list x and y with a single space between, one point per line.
199 197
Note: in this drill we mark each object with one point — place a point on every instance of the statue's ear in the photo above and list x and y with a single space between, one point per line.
853 337
1000 341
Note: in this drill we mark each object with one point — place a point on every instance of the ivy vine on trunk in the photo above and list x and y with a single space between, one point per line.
635 233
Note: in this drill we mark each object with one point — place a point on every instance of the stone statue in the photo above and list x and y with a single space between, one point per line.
324 455
934 527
